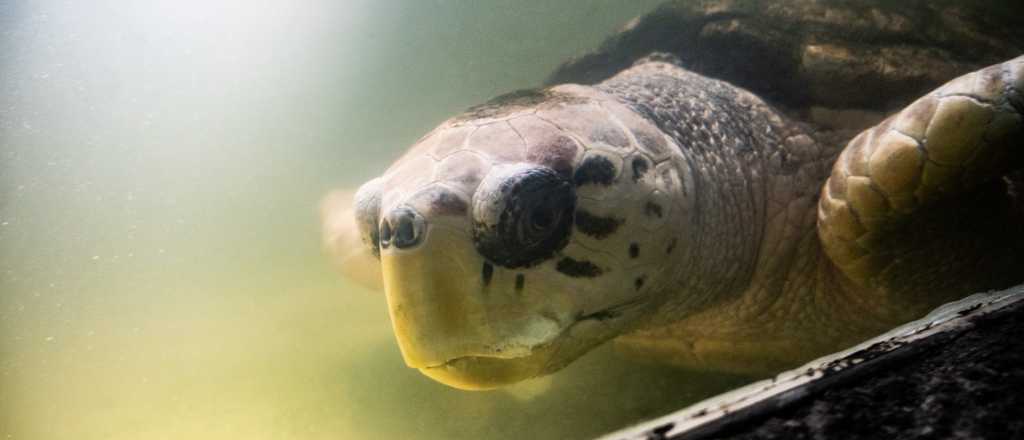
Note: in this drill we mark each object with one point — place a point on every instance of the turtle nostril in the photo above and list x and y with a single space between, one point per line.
407 233
403 228
385 233
404 232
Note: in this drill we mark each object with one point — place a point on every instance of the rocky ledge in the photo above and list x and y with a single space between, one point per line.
956 373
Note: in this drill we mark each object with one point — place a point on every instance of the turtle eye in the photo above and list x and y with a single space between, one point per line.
522 215
541 219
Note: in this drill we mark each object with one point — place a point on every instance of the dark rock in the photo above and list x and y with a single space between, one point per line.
967 387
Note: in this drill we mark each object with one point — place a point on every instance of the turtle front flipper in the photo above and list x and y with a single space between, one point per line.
926 200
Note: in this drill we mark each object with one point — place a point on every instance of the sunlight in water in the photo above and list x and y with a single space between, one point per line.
160 168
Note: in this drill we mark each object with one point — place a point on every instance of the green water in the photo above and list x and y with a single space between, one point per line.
160 167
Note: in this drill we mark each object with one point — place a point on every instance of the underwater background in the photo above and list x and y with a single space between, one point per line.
160 266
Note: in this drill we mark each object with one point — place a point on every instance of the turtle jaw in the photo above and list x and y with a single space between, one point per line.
474 331
476 373
472 338
455 330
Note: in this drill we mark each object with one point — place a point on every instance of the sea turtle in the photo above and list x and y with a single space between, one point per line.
686 217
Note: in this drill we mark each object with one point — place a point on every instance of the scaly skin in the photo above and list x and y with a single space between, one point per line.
942 147
912 216
757 263
681 214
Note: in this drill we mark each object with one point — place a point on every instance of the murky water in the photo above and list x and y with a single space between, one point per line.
160 166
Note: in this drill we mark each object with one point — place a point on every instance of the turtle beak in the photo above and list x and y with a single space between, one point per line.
448 328
434 314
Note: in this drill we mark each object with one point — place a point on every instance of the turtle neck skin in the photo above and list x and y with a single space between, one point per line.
725 142
755 290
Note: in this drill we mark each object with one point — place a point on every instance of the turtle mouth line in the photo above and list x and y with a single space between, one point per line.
482 357
608 313
477 358
603 315
488 371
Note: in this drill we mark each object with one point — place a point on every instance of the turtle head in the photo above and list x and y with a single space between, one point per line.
519 236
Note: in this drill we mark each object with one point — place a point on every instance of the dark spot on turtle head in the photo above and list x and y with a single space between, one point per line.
556 151
578 268
640 168
444 202
639 282
596 226
534 209
671 246
653 210
488 272
634 250
520 282
595 169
